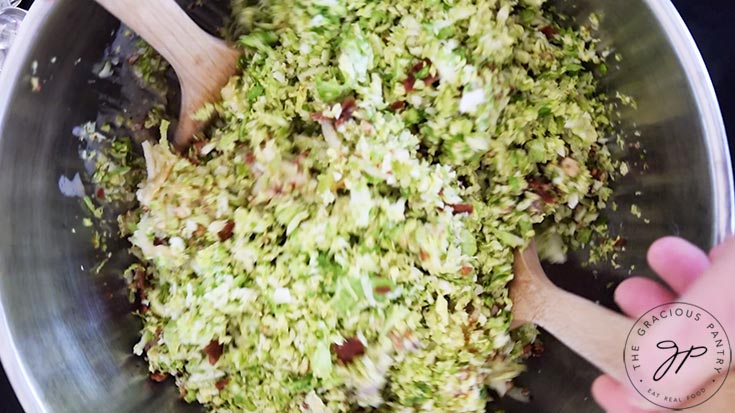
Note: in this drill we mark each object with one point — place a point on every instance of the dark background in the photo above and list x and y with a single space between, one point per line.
712 22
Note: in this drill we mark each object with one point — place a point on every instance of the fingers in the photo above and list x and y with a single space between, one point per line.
719 251
636 296
614 398
678 262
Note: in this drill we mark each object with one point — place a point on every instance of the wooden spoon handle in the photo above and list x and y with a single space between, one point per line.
166 27
592 331
199 59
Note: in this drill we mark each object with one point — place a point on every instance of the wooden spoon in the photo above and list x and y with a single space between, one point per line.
203 63
591 330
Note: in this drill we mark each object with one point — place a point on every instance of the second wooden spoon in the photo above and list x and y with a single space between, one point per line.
591 330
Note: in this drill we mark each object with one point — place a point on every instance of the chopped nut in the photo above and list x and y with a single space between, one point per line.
570 167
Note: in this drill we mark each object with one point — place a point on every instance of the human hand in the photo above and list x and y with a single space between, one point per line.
692 277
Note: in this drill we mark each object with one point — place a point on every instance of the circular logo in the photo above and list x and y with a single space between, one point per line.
671 350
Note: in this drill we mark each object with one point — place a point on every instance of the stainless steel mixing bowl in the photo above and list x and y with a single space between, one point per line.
66 335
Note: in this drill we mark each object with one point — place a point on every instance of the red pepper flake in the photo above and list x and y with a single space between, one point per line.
423 255
100 193
158 377
398 106
461 208
214 351
348 108
349 350
543 189
159 241
549 31
143 309
383 289
227 231
222 383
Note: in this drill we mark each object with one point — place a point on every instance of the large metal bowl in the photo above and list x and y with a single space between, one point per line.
66 335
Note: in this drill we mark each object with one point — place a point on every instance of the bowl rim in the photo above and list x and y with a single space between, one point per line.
671 22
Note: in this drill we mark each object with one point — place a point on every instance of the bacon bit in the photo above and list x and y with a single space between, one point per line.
158 377
549 31
149 345
100 193
383 289
140 282
423 255
319 117
409 83
620 242
214 351
461 208
542 189
133 59
398 105
159 241
466 270
249 158
349 350
598 174
143 309
428 80
348 108
222 383
227 231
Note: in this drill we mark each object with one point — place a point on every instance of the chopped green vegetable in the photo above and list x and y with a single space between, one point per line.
343 238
